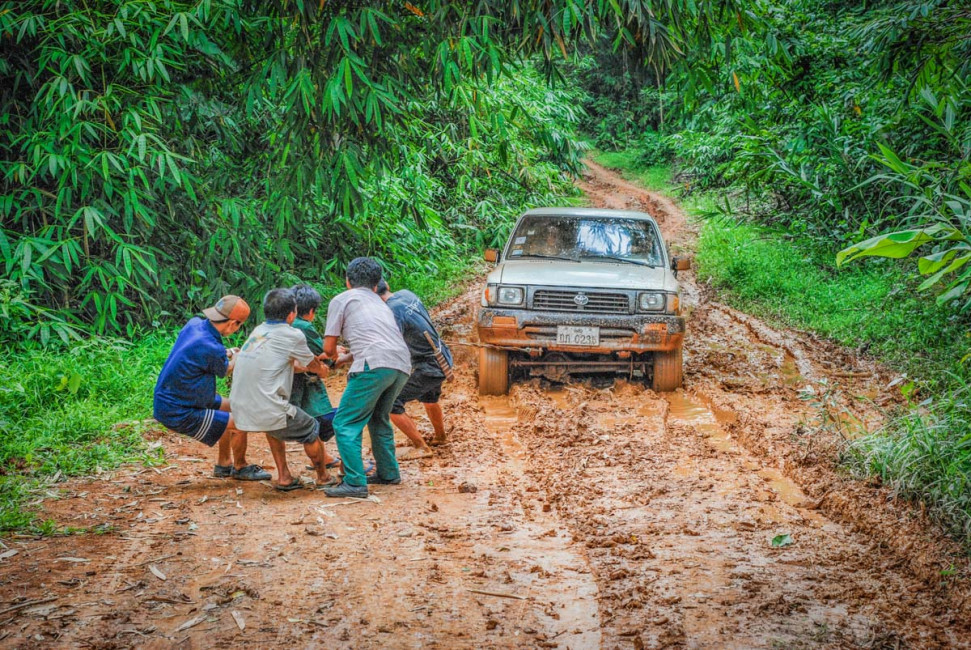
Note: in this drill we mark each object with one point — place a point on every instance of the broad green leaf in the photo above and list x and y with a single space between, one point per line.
950 268
897 245
782 540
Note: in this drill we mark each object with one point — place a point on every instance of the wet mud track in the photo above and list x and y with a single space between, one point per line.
559 516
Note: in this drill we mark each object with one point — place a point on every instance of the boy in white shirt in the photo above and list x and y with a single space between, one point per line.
262 382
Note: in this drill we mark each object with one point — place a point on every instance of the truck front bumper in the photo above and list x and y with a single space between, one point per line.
535 331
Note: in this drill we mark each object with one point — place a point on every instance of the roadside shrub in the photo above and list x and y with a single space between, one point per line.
701 157
926 456
653 149
21 318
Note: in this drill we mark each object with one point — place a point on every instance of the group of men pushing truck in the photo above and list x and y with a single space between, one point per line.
395 356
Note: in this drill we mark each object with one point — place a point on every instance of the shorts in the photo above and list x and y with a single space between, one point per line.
424 388
326 423
300 428
205 425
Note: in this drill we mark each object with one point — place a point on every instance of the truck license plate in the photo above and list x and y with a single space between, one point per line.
585 336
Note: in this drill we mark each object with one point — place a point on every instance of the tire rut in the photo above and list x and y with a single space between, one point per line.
678 519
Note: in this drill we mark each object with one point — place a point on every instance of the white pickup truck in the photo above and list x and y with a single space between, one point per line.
581 291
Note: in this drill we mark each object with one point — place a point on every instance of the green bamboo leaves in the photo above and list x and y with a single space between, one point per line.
157 153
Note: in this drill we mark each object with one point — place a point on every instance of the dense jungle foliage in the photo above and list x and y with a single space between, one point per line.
158 153
840 130
854 114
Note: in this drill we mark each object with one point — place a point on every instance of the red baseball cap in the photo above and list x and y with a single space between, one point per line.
228 308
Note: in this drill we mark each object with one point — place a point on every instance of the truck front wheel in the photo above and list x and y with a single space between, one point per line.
667 371
493 371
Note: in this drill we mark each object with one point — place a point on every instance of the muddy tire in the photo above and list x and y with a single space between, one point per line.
667 371
493 371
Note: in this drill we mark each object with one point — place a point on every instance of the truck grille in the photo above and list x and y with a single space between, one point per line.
596 303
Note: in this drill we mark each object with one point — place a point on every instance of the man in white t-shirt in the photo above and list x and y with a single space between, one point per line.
262 383
381 367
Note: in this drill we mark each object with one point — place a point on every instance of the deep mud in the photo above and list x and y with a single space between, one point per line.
561 516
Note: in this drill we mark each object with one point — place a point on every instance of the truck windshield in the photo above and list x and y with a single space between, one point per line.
588 238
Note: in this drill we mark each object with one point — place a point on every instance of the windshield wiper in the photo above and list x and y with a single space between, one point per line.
552 257
626 260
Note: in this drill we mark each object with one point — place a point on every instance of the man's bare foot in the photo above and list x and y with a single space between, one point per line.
439 440
416 453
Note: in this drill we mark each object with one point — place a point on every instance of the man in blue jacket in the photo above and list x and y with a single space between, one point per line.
427 373
185 393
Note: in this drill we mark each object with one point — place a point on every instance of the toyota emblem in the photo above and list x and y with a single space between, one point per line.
581 299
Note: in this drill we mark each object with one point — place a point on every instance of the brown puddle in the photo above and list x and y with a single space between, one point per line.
791 375
501 418
710 420
690 411
564 398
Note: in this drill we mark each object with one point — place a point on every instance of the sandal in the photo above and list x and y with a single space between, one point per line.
251 473
331 465
345 490
222 471
368 469
294 484
333 482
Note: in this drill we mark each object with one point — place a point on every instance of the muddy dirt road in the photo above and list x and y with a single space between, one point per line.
559 517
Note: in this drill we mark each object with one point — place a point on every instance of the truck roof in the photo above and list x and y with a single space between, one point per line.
588 212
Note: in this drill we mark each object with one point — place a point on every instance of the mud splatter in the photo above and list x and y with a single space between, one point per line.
610 517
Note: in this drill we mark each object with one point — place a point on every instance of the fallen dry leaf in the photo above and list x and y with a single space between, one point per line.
308 622
240 623
76 560
158 574
10 553
190 623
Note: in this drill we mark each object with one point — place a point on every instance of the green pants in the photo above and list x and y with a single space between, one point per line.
368 399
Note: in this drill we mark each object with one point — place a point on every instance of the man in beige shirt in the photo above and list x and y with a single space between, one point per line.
381 367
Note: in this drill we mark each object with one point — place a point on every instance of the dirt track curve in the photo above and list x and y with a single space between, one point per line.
600 517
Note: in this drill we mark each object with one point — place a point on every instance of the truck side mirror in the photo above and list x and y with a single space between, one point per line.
491 255
680 263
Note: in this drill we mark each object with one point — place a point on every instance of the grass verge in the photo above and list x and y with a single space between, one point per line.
58 411
923 453
926 456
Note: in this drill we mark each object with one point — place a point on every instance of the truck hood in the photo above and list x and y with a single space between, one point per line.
593 275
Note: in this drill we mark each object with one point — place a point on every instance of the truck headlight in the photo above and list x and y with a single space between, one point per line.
651 302
511 296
